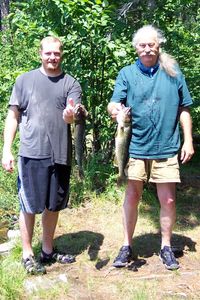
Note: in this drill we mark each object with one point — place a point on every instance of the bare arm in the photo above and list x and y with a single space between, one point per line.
10 129
187 149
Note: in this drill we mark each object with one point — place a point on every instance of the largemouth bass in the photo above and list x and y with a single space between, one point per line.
122 141
80 115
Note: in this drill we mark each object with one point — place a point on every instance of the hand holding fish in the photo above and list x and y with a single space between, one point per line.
123 116
80 112
114 108
74 112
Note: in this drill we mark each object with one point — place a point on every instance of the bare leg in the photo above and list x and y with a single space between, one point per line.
167 197
130 209
26 223
49 222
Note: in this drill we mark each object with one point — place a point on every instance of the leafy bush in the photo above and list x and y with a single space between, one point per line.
97 43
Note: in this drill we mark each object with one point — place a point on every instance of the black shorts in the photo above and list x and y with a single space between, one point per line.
42 185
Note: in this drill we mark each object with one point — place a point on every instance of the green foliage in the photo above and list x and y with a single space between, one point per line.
11 277
97 40
97 43
98 176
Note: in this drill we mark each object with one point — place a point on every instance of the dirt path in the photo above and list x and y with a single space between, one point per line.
94 234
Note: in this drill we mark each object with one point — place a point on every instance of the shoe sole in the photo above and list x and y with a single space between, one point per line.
120 264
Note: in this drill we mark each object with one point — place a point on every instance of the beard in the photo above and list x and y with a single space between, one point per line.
52 66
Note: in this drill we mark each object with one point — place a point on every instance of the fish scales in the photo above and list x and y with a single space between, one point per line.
80 115
122 141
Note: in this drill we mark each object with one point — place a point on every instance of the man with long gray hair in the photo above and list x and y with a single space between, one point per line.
155 90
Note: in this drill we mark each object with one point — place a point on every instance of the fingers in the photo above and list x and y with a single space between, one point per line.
185 156
69 111
73 111
80 111
8 166
116 109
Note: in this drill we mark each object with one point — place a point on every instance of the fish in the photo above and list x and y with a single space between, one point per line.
80 114
122 141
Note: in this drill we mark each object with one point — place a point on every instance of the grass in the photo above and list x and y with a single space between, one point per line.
54 294
12 277
92 230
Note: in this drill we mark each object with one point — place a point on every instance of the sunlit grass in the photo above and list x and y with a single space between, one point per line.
12 277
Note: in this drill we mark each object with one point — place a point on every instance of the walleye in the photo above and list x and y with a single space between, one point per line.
80 115
122 140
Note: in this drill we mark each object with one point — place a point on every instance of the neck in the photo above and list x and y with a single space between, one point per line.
148 66
51 73
149 70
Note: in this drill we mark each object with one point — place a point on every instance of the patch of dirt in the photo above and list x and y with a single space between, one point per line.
93 233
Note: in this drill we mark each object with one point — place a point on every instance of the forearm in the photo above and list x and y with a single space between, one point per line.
186 124
10 129
187 150
9 134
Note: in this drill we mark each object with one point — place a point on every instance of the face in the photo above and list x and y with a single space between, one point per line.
148 50
51 56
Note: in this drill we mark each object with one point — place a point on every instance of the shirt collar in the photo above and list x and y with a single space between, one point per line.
150 71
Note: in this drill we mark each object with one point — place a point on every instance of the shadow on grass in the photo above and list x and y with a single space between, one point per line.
77 242
147 245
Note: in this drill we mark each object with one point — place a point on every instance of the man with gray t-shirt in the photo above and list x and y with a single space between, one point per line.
42 105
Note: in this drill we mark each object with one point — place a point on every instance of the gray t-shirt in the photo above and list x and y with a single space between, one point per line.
41 100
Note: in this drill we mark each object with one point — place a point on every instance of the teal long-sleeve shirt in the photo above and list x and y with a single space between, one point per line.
155 103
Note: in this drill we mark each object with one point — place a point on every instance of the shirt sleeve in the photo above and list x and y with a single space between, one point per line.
75 92
16 93
184 94
120 89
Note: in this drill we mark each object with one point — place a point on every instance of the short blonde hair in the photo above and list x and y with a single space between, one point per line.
51 39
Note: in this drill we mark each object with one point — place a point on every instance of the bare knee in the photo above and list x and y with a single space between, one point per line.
133 192
166 194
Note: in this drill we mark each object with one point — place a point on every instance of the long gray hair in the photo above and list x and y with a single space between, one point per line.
167 62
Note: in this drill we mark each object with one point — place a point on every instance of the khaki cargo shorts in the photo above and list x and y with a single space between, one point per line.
154 170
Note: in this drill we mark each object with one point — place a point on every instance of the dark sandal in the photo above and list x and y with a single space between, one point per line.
32 266
56 257
63 258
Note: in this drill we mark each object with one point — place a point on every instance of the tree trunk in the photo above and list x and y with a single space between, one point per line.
4 11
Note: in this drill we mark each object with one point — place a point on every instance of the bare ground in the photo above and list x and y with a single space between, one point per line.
93 233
